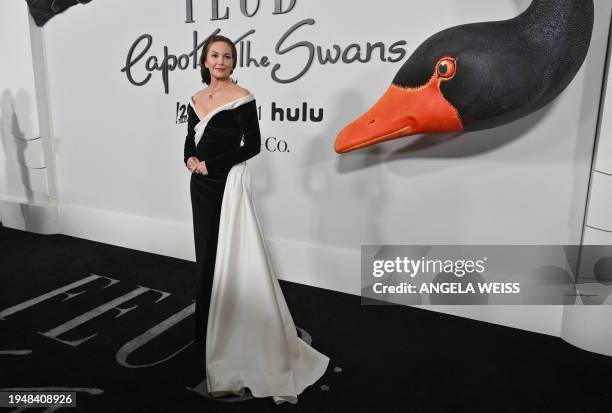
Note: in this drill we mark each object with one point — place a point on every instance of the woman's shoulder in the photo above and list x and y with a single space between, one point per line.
240 92
243 99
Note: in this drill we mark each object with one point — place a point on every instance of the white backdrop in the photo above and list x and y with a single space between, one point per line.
121 178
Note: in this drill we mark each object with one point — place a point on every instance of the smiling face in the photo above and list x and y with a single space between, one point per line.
220 60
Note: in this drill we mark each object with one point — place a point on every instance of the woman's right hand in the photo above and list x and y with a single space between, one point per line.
201 168
192 162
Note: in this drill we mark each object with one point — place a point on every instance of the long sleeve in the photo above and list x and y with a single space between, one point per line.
246 116
190 147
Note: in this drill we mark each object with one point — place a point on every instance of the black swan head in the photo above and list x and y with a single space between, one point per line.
478 76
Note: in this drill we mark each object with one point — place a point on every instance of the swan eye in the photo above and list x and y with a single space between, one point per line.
446 68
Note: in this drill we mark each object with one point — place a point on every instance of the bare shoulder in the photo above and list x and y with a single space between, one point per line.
239 91
198 95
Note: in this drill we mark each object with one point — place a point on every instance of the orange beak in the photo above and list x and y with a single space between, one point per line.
401 112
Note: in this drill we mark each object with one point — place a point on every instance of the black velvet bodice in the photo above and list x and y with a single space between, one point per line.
220 145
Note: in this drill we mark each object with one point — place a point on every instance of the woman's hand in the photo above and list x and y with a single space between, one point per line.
192 162
200 168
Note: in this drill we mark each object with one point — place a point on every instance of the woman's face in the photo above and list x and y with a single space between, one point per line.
219 60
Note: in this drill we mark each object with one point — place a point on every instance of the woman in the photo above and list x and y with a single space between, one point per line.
251 340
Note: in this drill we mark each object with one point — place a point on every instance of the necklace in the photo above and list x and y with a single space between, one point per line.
210 94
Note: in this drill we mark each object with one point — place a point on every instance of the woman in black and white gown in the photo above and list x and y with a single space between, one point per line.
251 340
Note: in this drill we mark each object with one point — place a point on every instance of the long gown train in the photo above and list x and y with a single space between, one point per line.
251 339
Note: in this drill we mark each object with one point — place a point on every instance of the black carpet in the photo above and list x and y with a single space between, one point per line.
382 359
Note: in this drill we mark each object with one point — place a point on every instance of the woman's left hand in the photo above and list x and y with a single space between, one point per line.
201 168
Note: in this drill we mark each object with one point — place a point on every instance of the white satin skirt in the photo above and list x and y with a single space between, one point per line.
251 340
